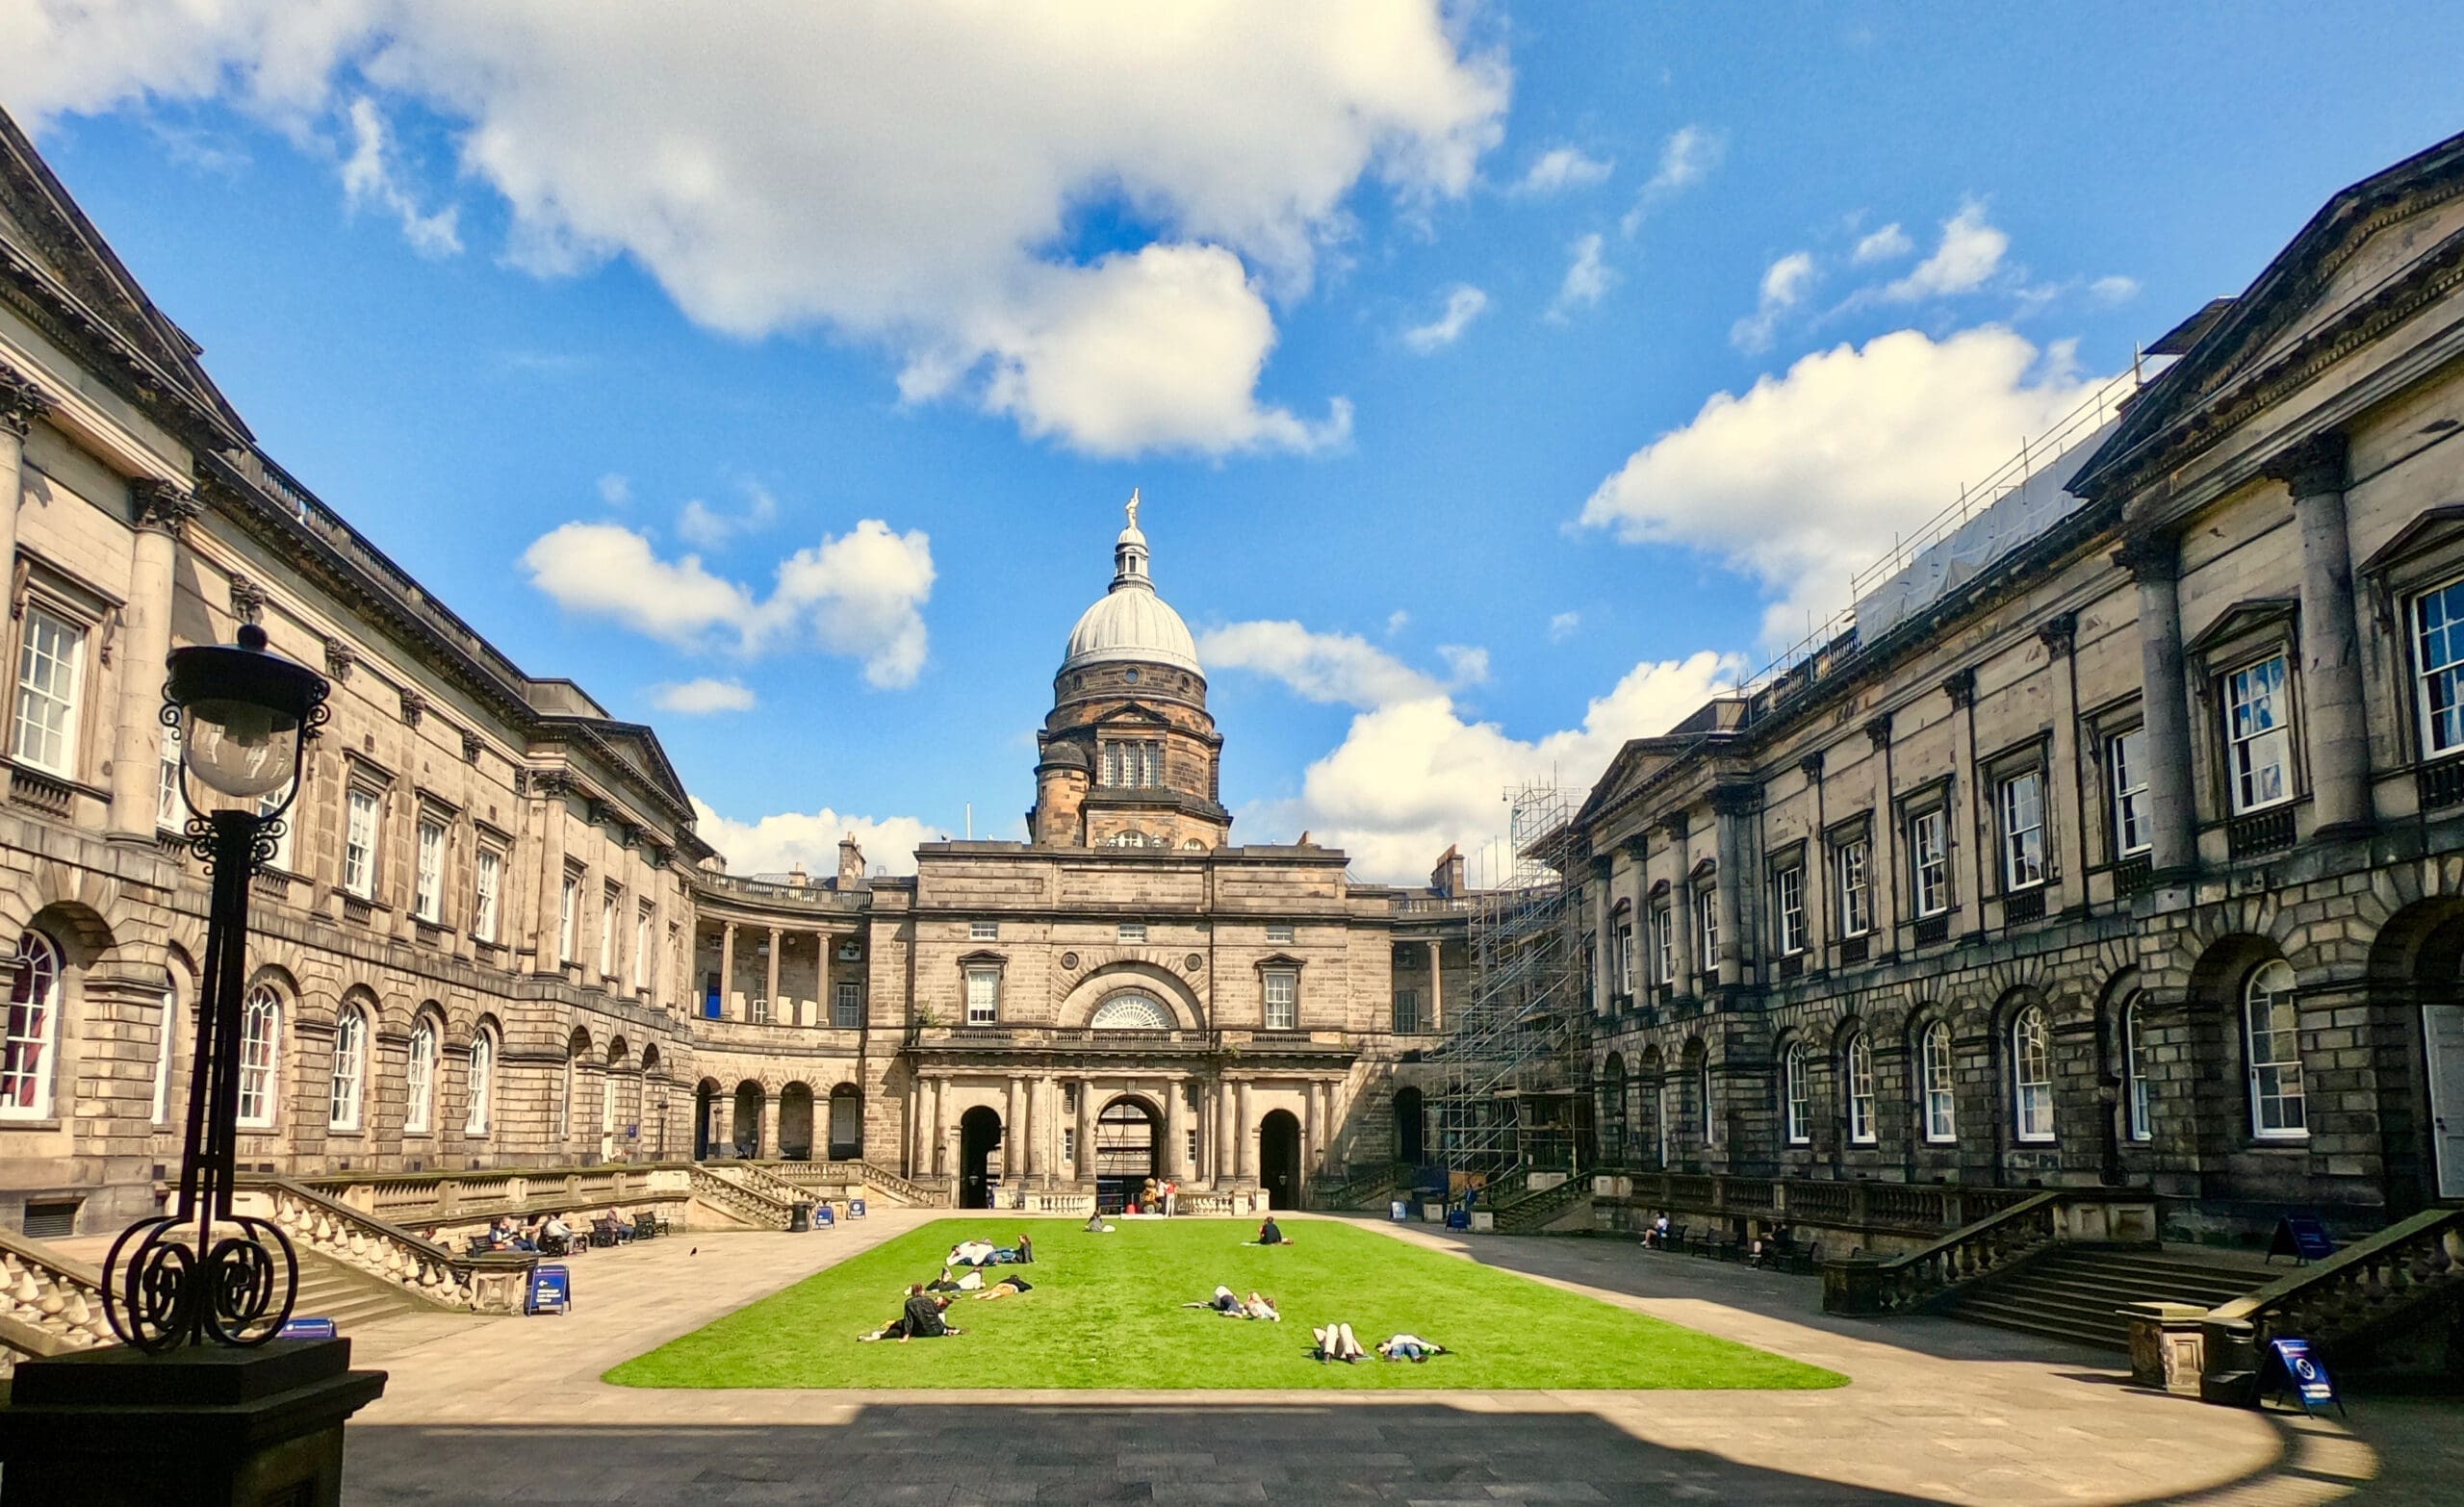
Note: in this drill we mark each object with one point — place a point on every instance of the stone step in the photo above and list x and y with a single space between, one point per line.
2076 1294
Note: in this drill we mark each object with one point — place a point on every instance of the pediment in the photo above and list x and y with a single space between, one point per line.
1135 712
2432 531
2246 616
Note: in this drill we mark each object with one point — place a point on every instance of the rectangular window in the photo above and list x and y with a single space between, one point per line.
608 934
1929 860
266 806
2022 807
1189 1140
167 783
569 902
1280 934
50 661
2438 666
359 842
983 931
1407 1012
847 1007
1708 915
1790 886
486 880
427 900
1664 941
758 1011
642 948
2259 761
1133 930
1624 958
1070 1144
2127 754
1283 1000
1856 888
982 996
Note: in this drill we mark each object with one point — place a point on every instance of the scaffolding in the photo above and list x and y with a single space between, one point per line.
1513 1074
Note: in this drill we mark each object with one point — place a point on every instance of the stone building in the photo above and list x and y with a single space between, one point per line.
2121 838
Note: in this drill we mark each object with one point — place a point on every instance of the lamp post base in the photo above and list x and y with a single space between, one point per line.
209 1425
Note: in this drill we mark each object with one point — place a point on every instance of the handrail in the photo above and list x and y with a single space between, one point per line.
754 1175
2350 1294
50 1295
1932 1272
366 1243
852 1169
749 1204
1536 1208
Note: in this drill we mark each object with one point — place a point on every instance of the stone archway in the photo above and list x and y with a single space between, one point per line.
749 1101
1129 1150
979 1137
707 1136
846 1123
1411 1128
795 1122
1279 1158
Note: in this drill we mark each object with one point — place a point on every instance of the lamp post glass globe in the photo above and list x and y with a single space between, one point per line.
240 751
243 711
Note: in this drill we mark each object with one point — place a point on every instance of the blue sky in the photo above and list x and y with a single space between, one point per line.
907 301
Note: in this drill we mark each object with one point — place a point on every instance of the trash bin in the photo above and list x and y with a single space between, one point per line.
799 1217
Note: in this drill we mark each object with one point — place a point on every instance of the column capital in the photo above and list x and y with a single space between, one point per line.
161 506
1810 766
2059 632
2309 467
1676 824
1877 731
2151 557
1735 799
21 403
1961 687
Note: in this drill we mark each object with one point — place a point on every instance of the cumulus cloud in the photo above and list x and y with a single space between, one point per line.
1811 476
1686 159
1884 245
777 843
1413 777
1969 252
1563 168
1464 303
1341 669
902 176
706 527
2114 290
1784 286
369 180
702 697
1586 281
861 595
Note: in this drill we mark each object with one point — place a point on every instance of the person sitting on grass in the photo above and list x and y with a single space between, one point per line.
945 1283
920 1320
1409 1348
1095 1224
1260 1305
1026 1249
1335 1343
1009 1286
1225 1302
1271 1232
896 1328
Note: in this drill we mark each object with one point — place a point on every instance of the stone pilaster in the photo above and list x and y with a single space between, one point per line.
2336 725
161 512
2154 563
20 405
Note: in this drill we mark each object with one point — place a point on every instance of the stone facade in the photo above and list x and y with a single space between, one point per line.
2133 857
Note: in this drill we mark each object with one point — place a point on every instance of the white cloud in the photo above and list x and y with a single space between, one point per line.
706 527
615 491
777 843
1811 476
1884 245
861 595
1336 668
1411 778
1586 281
1785 283
702 697
2114 290
1563 625
904 176
1395 622
1563 168
1971 251
1686 159
1464 303
368 179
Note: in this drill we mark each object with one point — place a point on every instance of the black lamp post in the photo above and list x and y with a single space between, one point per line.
200 1272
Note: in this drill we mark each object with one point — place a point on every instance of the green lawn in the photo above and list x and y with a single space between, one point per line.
1105 1313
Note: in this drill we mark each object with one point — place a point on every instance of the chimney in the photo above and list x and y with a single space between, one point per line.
851 862
797 877
1446 878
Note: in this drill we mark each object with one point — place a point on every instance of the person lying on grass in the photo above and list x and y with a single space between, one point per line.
946 1282
1009 1286
1271 1234
969 1253
1260 1307
1409 1348
1335 1343
1225 1302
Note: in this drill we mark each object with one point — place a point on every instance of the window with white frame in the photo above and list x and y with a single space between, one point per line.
568 901
982 996
1133 931
1625 956
756 1010
1702 1091
1790 884
350 1069
609 903
1935 1076
2126 757
2134 1072
34 1030
1283 999
260 1056
51 660
163 1049
487 880
1858 1061
2022 805
1851 863
427 896
1929 860
1664 943
645 946
1407 1012
847 1007
167 783
419 1079
1800 1094
1070 1144
1708 918
2032 1076
2438 666
1282 931
2258 741
359 841
483 1078
1130 763
2271 1036
983 931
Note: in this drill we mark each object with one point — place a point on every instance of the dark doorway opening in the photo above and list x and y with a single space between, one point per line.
1411 1128
846 1122
748 1119
795 1122
705 1119
979 1136
1129 1145
1279 1158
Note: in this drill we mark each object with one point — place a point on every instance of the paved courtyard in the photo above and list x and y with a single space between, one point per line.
513 1410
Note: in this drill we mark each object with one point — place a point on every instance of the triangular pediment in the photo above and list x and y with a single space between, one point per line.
2436 529
1138 713
2246 616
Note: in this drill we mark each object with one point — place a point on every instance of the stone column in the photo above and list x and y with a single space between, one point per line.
2154 562
1245 1139
1961 688
769 1146
1012 1127
1436 984
1881 855
940 1126
919 1122
1729 807
1175 1128
547 934
770 989
2336 722
1682 928
2066 831
726 967
160 512
1037 1129
1084 1168
20 405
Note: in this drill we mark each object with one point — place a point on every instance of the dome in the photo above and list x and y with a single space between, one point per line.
1130 623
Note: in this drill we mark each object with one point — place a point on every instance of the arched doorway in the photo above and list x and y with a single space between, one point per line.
846 1122
707 1135
1411 1128
747 1141
795 1122
1129 1146
979 1136
1279 1158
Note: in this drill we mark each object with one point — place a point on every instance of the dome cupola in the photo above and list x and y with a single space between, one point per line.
1130 623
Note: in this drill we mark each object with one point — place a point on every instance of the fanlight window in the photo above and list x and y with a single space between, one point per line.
1130 1012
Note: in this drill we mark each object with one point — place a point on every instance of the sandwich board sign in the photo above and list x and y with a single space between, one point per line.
2303 1374
552 1290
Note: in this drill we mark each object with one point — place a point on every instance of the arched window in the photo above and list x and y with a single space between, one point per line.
1130 1012
1859 1060
1934 1051
260 1055
419 1079
1710 1135
350 1068
2032 1076
483 1081
163 1046
1800 1095
33 1029
2134 1072
2273 1037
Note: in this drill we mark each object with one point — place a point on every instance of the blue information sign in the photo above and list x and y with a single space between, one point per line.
1459 1218
552 1290
308 1329
2306 1375
854 1209
1399 1210
823 1218
2301 1236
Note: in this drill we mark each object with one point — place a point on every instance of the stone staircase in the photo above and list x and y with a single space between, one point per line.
351 1298
2073 1292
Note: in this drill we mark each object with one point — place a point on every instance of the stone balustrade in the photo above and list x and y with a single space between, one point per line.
1919 1279
2378 1292
48 1305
